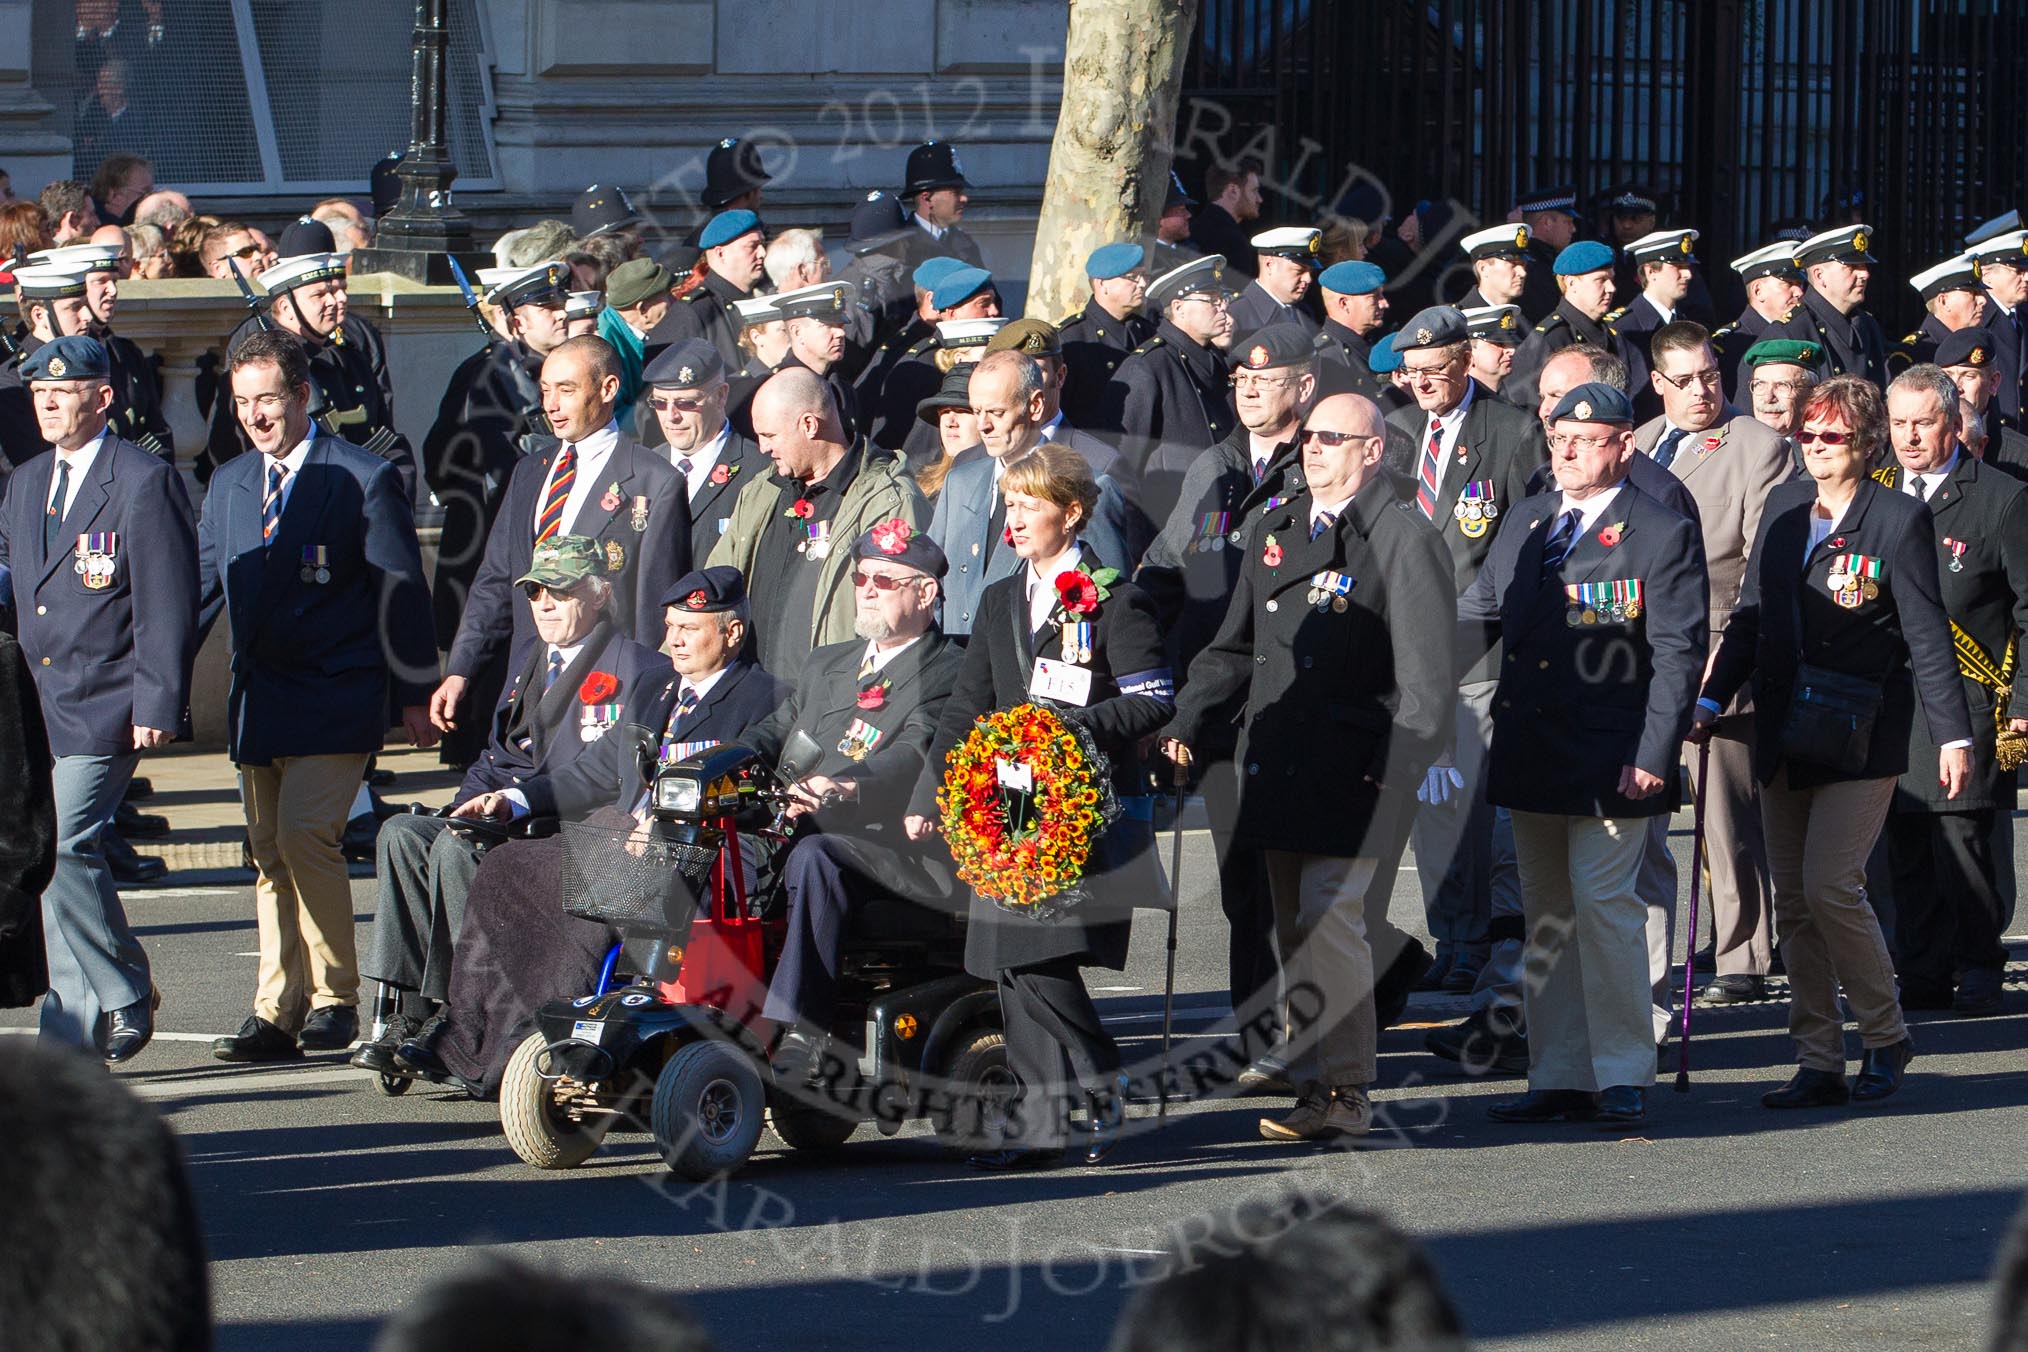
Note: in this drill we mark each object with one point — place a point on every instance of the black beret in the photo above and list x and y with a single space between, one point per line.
898 542
705 591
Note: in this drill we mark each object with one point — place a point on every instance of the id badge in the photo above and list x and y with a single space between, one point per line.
1064 682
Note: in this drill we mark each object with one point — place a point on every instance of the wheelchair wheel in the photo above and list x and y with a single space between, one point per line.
392 1086
539 1132
981 1084
816 1127
707 1111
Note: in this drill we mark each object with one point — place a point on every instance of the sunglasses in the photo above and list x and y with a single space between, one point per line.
1828 438
885 582
246 251
676 405
1310 434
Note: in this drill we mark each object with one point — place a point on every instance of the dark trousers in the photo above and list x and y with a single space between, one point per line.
1056 1047
1948 913
425 870
1253 969
828 878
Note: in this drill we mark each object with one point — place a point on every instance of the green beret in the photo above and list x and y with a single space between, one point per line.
1788 351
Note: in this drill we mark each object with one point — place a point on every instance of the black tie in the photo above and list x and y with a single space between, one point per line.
1560 540
1665 450
52 520
1921 488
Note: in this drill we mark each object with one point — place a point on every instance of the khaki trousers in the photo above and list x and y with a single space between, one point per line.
1817 843
1585 982
296 810
1320 925
1735 853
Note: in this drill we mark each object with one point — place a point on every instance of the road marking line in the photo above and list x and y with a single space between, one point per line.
180 893
159 1036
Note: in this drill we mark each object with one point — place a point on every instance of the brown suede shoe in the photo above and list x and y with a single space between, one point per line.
1322 1114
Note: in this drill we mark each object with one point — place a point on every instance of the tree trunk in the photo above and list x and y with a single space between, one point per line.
1109 163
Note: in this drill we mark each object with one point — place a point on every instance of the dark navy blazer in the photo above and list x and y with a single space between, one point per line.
105 658
317 667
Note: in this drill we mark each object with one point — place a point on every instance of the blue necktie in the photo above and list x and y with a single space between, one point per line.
555 668
1665 450
1322 523
1560 541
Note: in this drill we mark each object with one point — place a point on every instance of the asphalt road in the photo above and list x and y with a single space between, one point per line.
1717 1225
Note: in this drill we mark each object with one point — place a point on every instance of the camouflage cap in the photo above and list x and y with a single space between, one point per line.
564 561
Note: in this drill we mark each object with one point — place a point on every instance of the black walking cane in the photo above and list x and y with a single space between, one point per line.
1696 880
1175 907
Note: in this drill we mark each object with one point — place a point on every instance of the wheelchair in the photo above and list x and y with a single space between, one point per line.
664 1041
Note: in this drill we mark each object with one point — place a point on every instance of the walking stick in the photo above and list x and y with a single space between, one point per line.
1175 906
1696 880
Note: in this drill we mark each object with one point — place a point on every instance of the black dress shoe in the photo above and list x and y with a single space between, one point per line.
127 865
378 778
1978 992
1547 1105
257 1040
139 787
1267 1077
330 1029
378 1055
128 1030
1704 959
129 820
1809 1088
1392 989
1880 1071
418 1054
1621 1105
361 833
1483 1044
1734 988
1007 1161
1108 1115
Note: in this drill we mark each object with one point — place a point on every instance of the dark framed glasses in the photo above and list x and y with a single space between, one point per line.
1828 438
1310 434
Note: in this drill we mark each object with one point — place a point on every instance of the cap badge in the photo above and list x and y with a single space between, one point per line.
1583 410
1507 320
697 600
1520 236
1683 244
57 367
1258 356
727 144
685 374
1859 241
1978 356
1423 336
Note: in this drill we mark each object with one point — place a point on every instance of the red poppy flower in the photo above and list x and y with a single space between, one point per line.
1008 535
873 697
599 687
891 535
1609 536
1078 592
721 474
802 510
1272 556
1838 543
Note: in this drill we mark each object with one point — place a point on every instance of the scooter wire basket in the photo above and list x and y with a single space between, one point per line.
627 878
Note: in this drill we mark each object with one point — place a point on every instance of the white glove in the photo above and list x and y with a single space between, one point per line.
1439 783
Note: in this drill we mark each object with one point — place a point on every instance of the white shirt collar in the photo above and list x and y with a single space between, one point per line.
1667 312
881 658
1592 508
1260 448
702 684
1450 422
600 444
1336 509
80 462
1936 476
702 460
1050 428
1041 585
933 231
569 654
293 461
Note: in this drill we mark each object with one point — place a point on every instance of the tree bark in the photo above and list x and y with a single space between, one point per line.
1109 162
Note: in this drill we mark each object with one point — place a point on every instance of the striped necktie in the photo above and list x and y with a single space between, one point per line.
555 668
1426 472
549 521
1558 546
1665 449
271 504
1322 523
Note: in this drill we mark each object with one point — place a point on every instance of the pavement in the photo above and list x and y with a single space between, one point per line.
1717 1224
